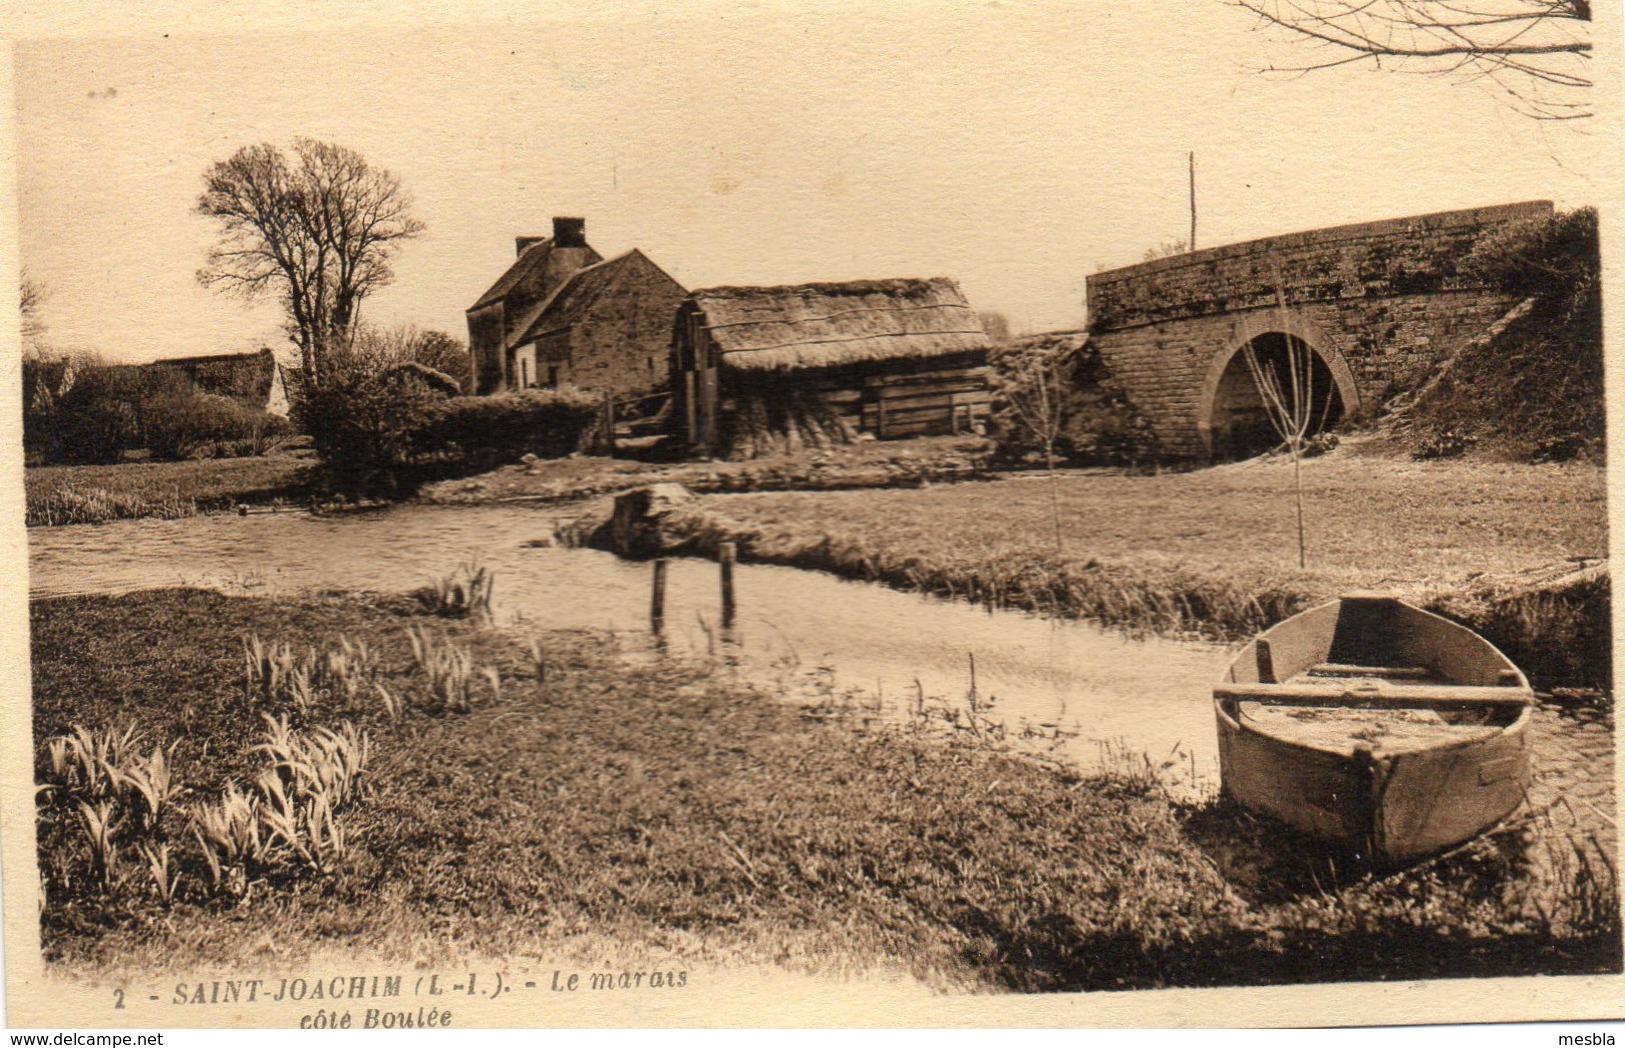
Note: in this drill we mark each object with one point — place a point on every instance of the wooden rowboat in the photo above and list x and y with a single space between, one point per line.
1376 726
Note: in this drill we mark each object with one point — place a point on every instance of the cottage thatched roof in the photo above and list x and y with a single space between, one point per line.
824 325
247 377
1049 343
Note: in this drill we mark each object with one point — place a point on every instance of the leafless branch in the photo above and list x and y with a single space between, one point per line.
1535 52
31 296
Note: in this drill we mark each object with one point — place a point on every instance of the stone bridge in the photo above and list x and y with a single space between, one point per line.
1380 304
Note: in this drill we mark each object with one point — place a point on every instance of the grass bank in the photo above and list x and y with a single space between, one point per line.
1215 551
93 494
865 464
570 802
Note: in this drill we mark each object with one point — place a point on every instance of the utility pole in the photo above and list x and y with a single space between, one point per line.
1191 246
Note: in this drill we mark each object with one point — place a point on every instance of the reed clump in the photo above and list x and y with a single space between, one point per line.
452 682
465 593
93 494
275 676
132 822
72 505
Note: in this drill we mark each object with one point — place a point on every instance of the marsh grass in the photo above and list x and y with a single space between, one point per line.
140 822
71 505
663 806
57 495
452 680
131 824
87 764
1200 553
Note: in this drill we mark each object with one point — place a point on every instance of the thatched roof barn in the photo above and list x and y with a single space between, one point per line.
757 369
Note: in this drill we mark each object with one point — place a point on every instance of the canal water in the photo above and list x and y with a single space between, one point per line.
1103 694
1097 696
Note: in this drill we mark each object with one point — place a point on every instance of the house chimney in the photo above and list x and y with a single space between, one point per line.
569 232
521 243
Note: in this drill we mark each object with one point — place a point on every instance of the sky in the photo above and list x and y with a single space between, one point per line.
1016 148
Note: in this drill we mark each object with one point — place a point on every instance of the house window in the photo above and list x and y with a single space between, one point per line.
524 373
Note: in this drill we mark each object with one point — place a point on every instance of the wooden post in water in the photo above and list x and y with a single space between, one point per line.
725 557
657 599
606 426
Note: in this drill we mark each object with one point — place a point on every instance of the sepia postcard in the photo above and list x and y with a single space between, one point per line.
919 514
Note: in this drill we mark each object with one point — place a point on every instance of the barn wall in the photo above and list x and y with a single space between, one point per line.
889 399
1386 301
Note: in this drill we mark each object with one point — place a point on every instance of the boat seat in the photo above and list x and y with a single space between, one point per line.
1346 669
1372 693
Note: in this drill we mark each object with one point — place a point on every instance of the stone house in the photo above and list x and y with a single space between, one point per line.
562 314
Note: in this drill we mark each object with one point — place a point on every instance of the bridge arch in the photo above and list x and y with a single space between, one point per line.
1394 296
1229 417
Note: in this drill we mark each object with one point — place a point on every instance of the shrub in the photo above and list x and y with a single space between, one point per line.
488 431
44 381
1055 390
185 425
92 412
370 420
97 417
382 425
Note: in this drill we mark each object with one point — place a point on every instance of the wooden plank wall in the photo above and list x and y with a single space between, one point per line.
949 400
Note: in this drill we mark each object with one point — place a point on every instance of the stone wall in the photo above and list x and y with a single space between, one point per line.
1382 302
485 343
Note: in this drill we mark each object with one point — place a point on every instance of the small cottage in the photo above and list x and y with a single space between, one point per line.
254 380
564 315
760 369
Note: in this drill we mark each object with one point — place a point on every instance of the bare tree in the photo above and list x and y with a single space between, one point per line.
315 229
1536 52
409 343
1032 384
31 297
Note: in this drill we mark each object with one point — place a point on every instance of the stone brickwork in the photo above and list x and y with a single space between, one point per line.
1381 302
621 342
486 326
